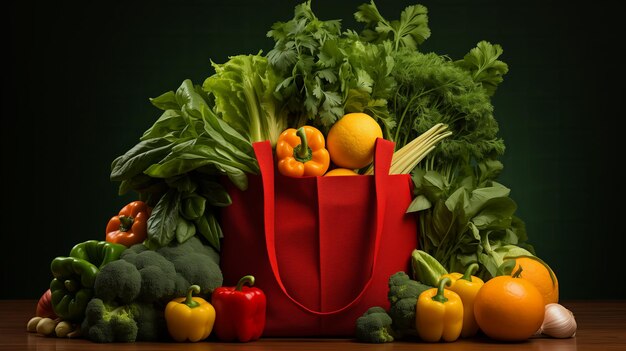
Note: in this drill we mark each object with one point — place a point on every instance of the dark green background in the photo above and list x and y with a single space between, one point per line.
77 77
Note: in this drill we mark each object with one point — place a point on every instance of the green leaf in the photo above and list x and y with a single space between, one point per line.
506 268
409 32
489 264
193 206
495 214
236 175
194 154
163 221
426 269
214 192
413 26
419 203
138 183
138 158
376 27
482 61
434 185
184 230
209 228
182 183
165 101
481 196
442 223
364 82
170 121
244 90
473 229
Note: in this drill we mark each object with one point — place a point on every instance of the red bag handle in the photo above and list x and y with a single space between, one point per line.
382 163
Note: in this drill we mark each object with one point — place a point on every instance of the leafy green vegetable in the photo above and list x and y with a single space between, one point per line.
426 269
482 61
469 220
177 165
328 73
410 31
402 295
314 74
432 89
374 326
164 219
243 89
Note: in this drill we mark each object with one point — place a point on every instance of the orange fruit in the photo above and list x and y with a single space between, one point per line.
508 308
351 140
341 172
540 274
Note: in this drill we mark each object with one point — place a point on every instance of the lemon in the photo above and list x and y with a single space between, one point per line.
351 140
341 172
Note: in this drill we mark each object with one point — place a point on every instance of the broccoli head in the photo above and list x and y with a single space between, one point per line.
118 281
142 281
150 321
158 275
108 323
374 326
196 264
402 296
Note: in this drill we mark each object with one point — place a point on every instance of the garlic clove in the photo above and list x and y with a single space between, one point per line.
558 322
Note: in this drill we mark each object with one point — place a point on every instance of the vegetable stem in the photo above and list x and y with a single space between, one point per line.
245 279
189 301
406 158
302 152
439 297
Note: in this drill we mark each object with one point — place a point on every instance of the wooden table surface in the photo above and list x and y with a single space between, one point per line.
601 326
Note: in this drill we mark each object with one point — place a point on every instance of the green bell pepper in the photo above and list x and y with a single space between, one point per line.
74 276
97 252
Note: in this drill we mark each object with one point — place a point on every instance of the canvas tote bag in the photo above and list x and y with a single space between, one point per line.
321 248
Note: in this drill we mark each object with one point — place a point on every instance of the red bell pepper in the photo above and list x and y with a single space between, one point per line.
239 311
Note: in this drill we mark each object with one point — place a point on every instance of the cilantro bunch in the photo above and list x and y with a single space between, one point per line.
328 73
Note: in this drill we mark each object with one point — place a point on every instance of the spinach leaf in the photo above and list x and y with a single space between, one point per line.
166 101
216 230
471 219
193 206
214 192
170 121
163 222
193 154
209 228
138 158
141 183
184 230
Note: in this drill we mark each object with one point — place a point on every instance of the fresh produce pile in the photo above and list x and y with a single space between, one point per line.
321 96
435 305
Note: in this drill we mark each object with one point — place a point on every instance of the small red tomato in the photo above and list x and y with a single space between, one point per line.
44 306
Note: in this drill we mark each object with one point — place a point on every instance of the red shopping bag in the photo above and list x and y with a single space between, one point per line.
321 248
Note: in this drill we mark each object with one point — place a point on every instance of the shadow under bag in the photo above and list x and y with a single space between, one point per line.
321 248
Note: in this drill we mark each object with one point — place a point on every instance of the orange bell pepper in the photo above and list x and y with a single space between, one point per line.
302 152
130 226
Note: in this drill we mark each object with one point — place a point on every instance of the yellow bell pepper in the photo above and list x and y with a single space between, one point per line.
439 314
189 318
467 286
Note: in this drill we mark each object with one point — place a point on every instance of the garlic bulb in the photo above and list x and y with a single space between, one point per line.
558 322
